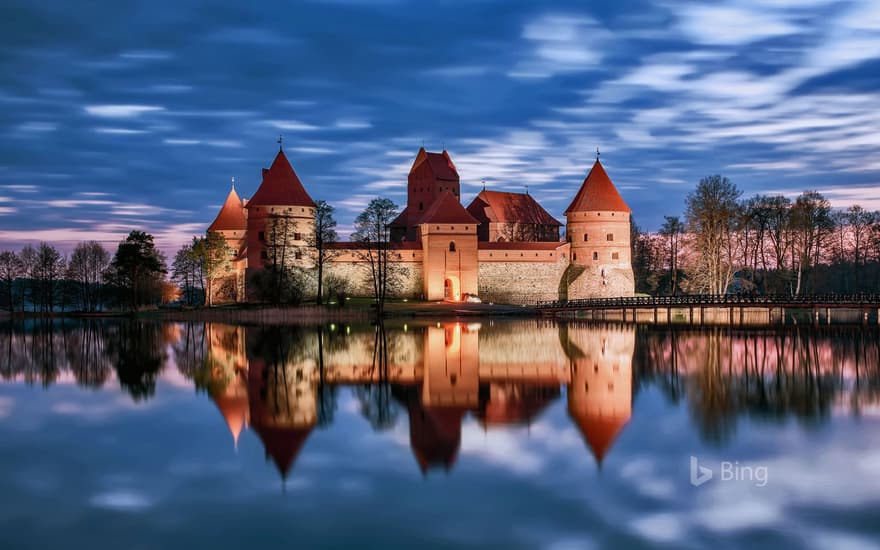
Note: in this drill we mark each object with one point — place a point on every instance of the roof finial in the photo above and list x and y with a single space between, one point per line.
233 183
444 144
527 189
280 143
423 144
597 154
484 184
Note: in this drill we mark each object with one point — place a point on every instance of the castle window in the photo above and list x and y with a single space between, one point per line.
610 386
586 386
574 257
297 236
303 209
586 237
452 246
595 255
298 255
421 206
610 237
615 256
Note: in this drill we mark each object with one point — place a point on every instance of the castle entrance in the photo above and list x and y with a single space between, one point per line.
452 289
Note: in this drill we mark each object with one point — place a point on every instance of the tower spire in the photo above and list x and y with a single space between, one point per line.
280 143
597 154
233 183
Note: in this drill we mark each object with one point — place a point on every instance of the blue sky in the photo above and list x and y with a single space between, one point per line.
121 115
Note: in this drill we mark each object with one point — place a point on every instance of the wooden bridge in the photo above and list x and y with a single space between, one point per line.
723 309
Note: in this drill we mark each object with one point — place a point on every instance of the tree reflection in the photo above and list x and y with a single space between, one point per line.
136 349
771 375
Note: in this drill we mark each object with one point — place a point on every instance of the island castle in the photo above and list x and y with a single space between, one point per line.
504 247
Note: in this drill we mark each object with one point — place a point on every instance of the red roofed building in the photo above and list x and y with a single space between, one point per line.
503 247
512 217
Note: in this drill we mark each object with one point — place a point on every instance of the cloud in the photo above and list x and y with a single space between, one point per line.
559 43
291 125
123 500
120 131
121 111
732 25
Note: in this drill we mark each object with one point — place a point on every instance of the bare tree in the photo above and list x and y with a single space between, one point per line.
320 242
672 231
47 273
213 255
373 233
712 211
811 223
10 270
88 261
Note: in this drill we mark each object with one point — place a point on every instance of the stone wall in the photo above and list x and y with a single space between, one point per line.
600 282
520 282
357 273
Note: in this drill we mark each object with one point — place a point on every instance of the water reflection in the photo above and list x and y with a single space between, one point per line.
283 382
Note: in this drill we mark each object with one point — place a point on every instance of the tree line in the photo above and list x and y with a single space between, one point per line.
41 280
765 244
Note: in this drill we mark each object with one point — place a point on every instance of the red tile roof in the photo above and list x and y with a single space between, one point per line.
599 431
232 215
597 194
519 245
447 209
504 207
354 245
280 186
440 164
282 444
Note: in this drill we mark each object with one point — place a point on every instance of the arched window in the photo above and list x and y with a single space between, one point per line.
421 206
586 237
452 246
595 255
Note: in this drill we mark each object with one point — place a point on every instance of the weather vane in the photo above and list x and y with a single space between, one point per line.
280 142
233 183
597 154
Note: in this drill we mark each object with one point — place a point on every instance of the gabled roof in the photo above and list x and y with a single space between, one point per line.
447 209
504 207
597 194
232 216
280 186
440 164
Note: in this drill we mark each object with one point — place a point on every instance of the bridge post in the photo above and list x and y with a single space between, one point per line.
741 315
655 315
827 315
702 316
865 317
815 315
730 316
782 315
691 314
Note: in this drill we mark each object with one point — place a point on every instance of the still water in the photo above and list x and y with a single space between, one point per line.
520 434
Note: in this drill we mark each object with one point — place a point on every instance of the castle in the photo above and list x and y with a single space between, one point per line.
504 247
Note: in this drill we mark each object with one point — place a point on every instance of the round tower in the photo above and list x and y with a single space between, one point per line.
598 228
280 219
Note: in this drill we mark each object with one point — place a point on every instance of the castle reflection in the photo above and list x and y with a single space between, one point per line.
274 379
282 382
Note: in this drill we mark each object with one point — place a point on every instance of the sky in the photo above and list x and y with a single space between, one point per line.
136 115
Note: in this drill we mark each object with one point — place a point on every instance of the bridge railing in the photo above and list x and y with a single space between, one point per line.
689 300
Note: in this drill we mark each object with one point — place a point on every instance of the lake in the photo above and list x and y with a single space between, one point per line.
471 434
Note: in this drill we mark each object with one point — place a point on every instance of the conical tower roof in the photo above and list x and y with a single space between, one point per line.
231 216
281 186
599 431
597 194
